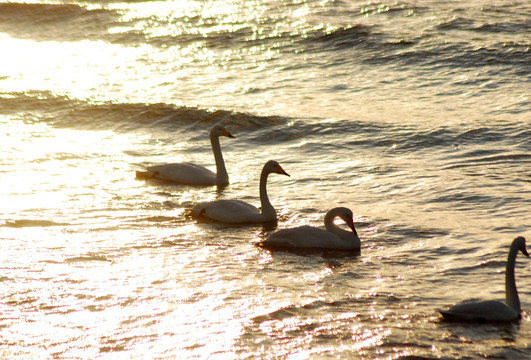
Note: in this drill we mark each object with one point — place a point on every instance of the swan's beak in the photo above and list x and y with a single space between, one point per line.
228 134
281 171
350 224
524 251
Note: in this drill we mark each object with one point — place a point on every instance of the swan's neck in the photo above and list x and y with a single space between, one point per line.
329 222
268 211
511 293
222 178
336 230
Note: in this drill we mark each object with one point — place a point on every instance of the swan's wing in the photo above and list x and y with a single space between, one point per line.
304 237
481 311
183 173
228 211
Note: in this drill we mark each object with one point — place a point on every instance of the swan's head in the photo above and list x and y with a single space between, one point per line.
274 167
347 216
220 130
519 242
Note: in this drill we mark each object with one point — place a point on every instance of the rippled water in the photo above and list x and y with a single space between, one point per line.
416 115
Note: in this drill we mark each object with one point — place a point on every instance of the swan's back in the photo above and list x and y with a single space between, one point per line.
307 237
183 173
299 237
228 211
491 310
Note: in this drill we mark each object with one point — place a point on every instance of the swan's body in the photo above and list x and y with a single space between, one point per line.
237 211
191 174
493 310
311 237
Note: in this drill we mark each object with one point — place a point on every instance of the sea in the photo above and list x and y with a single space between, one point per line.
414 114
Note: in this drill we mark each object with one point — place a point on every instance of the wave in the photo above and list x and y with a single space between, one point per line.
55 22
508 57
435 46
75 22
489 160
508 140
64 112
515 26
23 223
86 258
369 45
398 138
343 37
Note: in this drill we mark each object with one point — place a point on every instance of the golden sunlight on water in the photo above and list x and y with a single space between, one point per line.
75 68
377 107
60 159
101 71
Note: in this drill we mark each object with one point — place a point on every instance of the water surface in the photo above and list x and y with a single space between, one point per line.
413 114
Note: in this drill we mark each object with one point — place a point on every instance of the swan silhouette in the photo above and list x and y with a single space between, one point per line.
192 174
237 211
311 237
493 310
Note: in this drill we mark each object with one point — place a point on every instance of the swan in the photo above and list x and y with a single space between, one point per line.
311 237
191 174
237 211
493 310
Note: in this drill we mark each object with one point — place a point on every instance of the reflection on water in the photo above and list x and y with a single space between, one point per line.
107 263
413 116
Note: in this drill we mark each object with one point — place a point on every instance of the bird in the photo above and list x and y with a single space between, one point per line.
192 174
237 211
493 310
311 237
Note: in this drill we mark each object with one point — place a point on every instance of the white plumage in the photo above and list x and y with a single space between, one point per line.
493 310
192 174
311 237
237 211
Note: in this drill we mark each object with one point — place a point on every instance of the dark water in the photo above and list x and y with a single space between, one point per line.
416 115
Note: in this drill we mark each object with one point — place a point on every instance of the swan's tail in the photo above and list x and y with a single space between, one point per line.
450 316
198 211
447 315
146 175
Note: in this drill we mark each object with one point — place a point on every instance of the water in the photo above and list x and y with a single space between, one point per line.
416 115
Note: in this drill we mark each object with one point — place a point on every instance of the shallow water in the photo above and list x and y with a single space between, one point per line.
414 115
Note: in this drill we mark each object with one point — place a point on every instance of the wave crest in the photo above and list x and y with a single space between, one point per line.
61 111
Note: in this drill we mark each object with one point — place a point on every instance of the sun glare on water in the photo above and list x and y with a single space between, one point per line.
66 160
